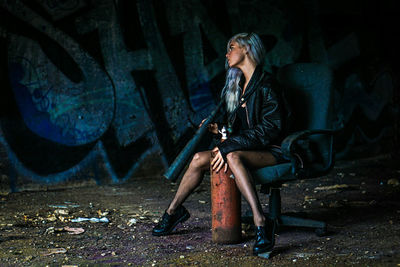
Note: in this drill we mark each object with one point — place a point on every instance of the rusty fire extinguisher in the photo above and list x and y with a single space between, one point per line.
225 205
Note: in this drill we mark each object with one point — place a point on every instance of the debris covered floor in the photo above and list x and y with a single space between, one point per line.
359 200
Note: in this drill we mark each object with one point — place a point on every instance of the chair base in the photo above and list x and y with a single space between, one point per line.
300 222
285 220
319 226
290 221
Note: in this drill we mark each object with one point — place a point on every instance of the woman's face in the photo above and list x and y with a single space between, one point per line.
235 55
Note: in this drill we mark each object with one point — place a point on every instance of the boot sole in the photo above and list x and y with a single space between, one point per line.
261 251
181 220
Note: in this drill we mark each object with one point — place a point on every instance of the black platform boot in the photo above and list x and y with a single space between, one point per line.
168 222
265 237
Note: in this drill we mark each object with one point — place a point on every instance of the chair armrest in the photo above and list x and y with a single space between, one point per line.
287 143
288 148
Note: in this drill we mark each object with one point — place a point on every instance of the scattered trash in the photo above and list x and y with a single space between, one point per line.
28 258
340 174
331 187
394 182
102 214
49 230
132 222
202 202
309 198
335 204
61 211
3 194
52 251
66 205
74 231
189 247
303 255
70 230
93 220
181 257
51 218
58 206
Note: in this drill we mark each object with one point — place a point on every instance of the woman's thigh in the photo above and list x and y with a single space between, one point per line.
256 159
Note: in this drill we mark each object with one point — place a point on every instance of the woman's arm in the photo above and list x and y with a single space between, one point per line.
263 133
212 127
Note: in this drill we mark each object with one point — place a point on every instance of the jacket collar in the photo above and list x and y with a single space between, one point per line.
254 81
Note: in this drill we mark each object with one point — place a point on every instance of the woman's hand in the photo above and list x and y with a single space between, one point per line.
218 162
212 127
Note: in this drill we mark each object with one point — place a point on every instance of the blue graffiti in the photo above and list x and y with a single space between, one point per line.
93 159
41 99
33 117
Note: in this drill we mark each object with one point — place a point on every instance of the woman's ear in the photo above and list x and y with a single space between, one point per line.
248 47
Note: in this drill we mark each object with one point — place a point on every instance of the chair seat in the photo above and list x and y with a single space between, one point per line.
274 174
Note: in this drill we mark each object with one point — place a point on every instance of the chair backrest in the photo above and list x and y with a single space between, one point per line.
308 89
309 92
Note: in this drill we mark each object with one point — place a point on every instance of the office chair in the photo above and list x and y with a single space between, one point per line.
308 90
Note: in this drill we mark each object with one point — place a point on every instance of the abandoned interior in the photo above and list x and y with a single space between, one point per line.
99 98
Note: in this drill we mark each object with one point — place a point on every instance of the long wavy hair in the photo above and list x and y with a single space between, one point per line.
255 48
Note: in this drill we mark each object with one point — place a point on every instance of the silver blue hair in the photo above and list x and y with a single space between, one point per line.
255 48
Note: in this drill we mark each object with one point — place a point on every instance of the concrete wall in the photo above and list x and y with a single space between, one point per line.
94 89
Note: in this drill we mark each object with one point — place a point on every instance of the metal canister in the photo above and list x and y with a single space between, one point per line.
225 207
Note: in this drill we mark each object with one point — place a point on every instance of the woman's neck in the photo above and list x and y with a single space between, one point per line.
248 70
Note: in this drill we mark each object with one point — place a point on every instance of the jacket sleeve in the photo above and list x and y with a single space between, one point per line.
265 131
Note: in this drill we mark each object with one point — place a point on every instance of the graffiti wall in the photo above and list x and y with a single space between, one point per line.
100 86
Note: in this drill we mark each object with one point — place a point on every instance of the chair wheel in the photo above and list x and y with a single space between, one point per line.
321 231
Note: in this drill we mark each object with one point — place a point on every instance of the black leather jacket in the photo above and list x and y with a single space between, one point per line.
265 116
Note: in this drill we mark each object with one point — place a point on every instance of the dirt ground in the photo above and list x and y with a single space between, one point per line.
359 200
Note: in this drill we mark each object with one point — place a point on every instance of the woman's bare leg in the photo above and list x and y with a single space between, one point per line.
191 179
237 161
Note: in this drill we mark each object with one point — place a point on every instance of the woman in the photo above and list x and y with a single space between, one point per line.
254 116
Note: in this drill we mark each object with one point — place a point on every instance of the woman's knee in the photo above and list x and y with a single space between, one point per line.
200 160
233 157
